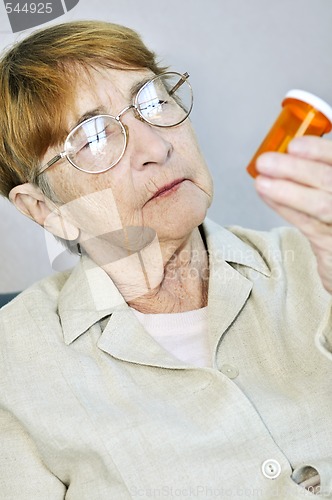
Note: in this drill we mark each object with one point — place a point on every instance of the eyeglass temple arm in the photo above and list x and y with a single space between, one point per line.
51 162
180 82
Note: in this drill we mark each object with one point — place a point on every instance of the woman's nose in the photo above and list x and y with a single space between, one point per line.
145 143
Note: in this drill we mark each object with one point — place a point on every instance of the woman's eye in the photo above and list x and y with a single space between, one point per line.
86 145
94 140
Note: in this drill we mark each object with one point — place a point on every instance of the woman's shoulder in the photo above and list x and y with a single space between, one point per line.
284 248
275 240
42 296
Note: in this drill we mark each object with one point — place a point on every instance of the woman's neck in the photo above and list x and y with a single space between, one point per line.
184 284
154 276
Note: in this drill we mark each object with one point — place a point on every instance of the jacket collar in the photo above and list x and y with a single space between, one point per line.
89 295
232 246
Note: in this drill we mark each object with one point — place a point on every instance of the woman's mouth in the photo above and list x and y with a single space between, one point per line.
168 189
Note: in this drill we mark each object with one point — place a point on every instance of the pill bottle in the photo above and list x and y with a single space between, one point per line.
302 113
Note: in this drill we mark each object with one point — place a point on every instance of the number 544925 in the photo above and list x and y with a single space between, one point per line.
29 8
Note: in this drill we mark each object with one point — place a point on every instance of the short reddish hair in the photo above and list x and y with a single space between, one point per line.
36 77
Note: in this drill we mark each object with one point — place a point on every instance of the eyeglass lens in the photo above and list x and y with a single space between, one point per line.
163 102
96 144
99 142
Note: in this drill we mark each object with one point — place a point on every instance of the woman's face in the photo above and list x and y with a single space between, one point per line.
154 158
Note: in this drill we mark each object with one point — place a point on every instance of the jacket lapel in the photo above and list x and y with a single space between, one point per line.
125 338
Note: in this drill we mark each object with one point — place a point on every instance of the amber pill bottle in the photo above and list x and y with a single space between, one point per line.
302 113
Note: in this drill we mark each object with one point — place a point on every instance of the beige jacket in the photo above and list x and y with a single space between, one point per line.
92 408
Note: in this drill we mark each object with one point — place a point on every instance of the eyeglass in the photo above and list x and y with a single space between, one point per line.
98 143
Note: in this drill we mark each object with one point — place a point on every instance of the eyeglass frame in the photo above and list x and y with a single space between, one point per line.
183 78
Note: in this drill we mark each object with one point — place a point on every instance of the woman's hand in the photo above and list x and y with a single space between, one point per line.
298 186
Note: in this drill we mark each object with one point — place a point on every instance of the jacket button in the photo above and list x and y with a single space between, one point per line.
229 370
271 469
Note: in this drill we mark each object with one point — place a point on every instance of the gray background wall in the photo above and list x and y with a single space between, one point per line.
243 56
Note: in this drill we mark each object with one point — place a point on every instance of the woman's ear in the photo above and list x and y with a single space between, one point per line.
31 201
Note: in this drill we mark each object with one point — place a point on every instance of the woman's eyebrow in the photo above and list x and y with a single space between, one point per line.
138 85
100 110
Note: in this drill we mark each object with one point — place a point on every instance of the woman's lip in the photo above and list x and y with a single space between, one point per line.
167 188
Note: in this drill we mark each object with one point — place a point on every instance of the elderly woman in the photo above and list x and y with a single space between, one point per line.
178 358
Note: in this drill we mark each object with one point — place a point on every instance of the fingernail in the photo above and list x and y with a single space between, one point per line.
265 162
263 183
297 145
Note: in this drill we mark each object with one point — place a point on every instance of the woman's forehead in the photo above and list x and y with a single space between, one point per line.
106 90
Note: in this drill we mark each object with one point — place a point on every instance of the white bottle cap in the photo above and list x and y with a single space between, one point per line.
316 102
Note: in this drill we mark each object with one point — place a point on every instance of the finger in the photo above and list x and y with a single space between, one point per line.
318 234
310 201
312 147
307 172
302 221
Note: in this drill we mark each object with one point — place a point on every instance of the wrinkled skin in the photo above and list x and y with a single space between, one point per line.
105 212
